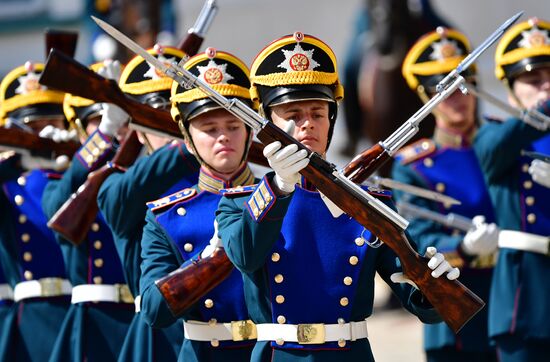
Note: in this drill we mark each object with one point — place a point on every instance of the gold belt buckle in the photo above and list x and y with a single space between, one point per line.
50 287
243 330
123 293
311 333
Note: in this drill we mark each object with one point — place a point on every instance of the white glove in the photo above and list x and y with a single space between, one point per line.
113 117
483 239
29 162
58 135
286 163
215 242
437 263
540 172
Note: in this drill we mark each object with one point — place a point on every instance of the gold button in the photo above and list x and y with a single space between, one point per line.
360 241
215 343
341 321
425 145
21 181
98 280
89 159
268 198
279 278
280 341
98 262
97 244
281 319
531 218
19 200
428 162
102 145
181 211
212 321
440 187
95 227
348 280
525 167
27 256
256 213
275 257
25 238
344 301
530 200
527 184
28 275
95 152
353 260
208 303
280 299
188 247
341 342
22 218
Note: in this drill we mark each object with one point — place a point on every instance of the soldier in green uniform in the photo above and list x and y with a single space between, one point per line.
101 305
445 164
180 226
30 257
122 200
308 276
520 297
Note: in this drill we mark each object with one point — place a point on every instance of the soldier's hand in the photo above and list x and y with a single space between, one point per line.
437 264
540 172
286 163
113 117
57 134
215 242
482 239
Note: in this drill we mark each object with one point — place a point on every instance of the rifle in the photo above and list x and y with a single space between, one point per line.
536 155
62 40
74 226
366 163
22 141
450 220
532 117
455 303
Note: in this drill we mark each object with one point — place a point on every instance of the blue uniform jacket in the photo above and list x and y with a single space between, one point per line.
178 228
122 200
519 299
455 171
301 265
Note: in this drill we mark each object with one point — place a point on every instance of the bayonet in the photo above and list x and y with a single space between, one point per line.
536 155
413 190
450 220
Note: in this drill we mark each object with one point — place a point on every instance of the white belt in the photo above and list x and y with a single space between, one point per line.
45 287
137 304
116 293
312 333
524 241
213 332
6 293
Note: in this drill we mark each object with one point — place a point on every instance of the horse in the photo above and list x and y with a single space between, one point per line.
384 100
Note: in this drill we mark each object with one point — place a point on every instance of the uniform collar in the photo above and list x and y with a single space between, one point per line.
211 183
448 138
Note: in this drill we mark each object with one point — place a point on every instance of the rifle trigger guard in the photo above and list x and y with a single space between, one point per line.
373 244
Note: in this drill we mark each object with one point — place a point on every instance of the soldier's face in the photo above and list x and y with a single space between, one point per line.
312 122
457 112
532 88
220 139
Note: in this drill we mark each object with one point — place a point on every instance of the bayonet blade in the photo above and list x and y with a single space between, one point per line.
130 44
414 190
536 155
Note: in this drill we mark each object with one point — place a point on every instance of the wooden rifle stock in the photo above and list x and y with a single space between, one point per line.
76 215
186 285
362 166
191 44
13 138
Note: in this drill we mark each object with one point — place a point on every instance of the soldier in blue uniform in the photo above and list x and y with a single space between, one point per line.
446 163
31 258
520 299
101 305
122 200
308 276
180 226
